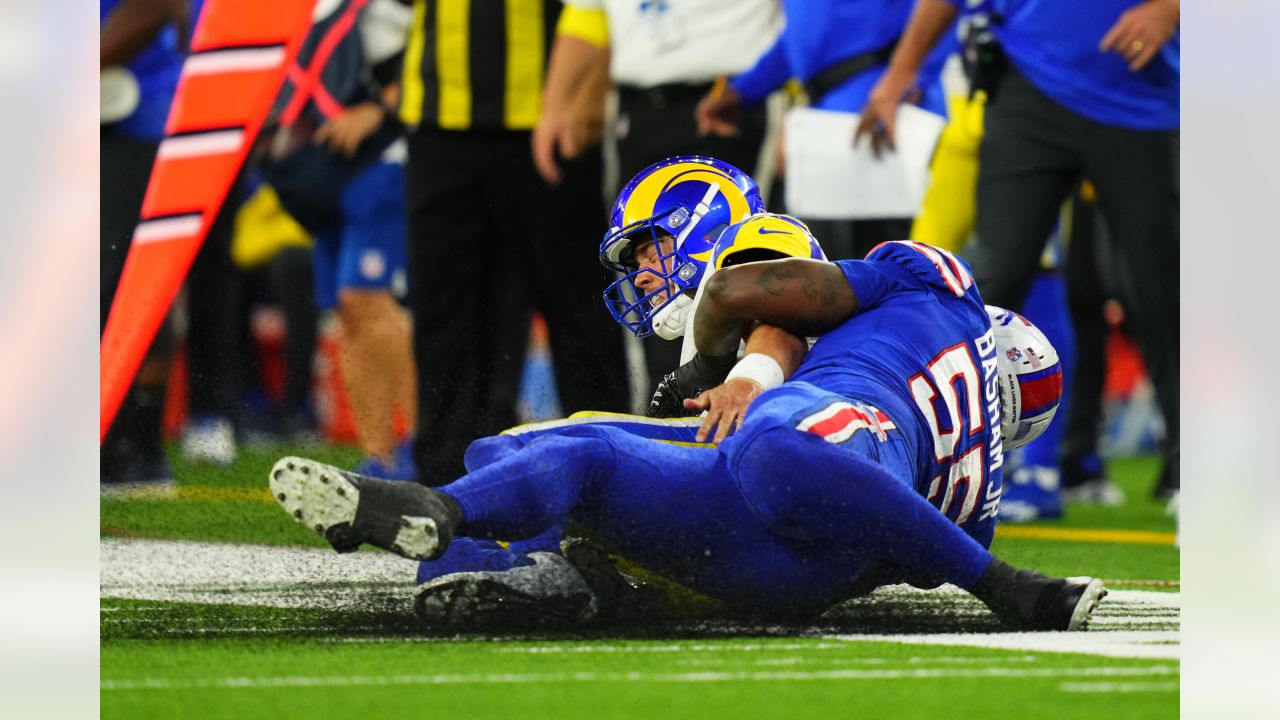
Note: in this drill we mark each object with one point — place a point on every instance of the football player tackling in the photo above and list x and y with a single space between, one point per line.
878 461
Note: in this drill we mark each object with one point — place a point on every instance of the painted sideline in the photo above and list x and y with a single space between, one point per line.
597 677
1137 537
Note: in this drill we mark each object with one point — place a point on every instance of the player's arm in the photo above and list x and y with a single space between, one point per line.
772 354
133 24
806 298
803 297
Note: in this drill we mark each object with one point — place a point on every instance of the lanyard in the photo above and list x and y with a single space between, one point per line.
306 83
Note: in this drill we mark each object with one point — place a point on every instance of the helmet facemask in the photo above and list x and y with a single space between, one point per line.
673 273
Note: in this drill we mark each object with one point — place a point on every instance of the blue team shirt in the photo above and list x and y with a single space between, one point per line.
1054 44
921 350
820 34
156 69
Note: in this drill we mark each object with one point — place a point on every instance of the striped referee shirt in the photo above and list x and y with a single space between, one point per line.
477 64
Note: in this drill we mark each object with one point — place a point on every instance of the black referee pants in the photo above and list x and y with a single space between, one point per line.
1033 153
488 243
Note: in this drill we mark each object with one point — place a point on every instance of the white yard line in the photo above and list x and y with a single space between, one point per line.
985 660
1148 644
1118 687
626 677
233 574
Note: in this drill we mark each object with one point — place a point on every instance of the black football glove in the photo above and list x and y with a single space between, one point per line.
688 381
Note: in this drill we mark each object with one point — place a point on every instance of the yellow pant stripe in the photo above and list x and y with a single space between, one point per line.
453 20
411 78
525 52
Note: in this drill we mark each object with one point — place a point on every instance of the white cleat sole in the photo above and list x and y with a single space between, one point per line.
322 498
418 538
1088 602
315 494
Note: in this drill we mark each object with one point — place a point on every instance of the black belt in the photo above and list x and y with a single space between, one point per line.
836 75
660 96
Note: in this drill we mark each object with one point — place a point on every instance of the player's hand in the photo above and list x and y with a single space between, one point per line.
689 380
1141 31
719 112
880 114
344 133
726 406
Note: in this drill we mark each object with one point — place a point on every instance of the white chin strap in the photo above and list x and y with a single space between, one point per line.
669 322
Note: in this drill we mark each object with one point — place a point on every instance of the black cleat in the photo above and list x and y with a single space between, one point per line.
1034 601
620 596
1066 604
550 592
348 509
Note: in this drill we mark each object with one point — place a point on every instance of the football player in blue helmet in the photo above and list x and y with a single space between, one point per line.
670 215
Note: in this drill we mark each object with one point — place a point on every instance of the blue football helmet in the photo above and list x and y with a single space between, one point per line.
689 199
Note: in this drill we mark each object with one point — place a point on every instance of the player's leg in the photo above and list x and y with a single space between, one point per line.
669 508
377 360
806 488
482 555
849 500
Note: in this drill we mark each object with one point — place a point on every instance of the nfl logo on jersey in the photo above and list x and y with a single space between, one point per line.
1013 354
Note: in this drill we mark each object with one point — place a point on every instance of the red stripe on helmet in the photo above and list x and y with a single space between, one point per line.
1041 393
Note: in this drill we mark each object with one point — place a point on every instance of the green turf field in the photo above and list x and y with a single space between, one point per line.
257 621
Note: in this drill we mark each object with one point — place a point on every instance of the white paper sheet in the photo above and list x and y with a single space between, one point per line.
829 179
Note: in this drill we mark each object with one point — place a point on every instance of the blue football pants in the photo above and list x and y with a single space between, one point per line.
773 520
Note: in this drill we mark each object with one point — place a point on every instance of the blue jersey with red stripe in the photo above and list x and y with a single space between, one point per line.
921 351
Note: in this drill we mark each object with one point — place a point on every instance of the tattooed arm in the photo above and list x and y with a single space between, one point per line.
803 297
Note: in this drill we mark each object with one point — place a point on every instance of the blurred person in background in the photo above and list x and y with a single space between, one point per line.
663 58
838 50
274 253
489 239
336 160
1073 90
215 351
1089 279
140 59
